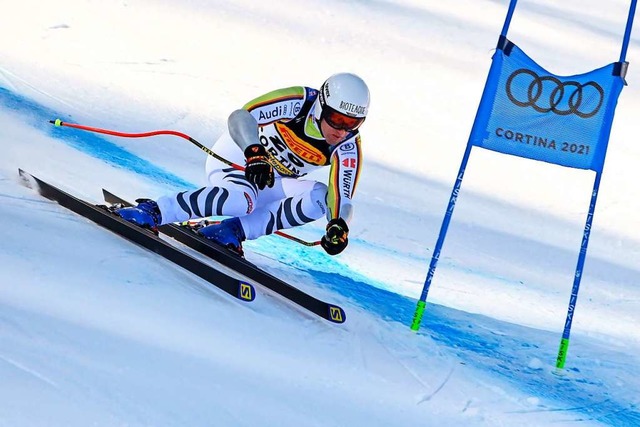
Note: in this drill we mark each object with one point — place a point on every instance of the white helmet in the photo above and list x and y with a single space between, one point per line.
344 93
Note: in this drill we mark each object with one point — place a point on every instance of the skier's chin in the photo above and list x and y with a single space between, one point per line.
334 139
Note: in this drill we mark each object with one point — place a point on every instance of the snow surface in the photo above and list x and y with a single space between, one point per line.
95 331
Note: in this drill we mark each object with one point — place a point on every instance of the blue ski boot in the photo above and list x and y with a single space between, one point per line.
228 233
146 214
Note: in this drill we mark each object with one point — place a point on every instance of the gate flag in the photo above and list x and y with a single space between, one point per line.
529 112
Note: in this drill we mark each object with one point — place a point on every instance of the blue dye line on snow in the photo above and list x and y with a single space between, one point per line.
505 355
493 345
89 143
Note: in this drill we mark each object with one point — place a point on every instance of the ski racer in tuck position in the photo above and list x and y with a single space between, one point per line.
281 137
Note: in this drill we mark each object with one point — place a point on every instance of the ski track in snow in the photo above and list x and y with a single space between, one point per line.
28 371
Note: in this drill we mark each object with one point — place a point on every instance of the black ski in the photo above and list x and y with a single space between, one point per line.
145 238
185 235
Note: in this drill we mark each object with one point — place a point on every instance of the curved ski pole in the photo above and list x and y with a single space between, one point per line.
59 123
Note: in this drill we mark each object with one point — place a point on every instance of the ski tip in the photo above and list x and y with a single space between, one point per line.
246 292
28 180
107 196
337 314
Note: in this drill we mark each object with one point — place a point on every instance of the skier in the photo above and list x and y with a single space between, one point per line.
281 137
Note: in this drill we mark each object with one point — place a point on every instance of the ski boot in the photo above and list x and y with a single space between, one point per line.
228 233
146 214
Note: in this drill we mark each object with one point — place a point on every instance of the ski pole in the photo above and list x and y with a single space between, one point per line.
278 232
295 239
59 123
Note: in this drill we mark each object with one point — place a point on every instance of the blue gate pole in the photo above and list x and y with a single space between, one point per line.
627 31
564 342
507 20
422 302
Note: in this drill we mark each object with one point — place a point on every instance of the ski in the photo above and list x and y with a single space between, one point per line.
188 237
145 238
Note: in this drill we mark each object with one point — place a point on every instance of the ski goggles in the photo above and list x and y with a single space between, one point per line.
339 121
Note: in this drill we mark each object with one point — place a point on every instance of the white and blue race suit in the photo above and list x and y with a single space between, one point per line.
290 132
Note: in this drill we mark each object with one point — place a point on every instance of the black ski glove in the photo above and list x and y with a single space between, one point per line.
336 238
258 170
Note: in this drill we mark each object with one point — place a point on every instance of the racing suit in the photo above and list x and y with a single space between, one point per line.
289 130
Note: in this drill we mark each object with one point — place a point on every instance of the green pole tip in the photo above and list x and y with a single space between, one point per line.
57 122
417 316
562 353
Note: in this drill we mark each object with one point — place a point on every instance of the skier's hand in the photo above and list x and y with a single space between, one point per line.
336 238
257 169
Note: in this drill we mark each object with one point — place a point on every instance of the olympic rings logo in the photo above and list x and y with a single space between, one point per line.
557 103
